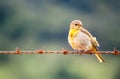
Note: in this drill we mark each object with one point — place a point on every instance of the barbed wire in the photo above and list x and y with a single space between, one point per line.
63 51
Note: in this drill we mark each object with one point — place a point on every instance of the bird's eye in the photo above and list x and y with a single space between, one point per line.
76 24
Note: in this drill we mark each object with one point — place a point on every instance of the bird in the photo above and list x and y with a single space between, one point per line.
81 39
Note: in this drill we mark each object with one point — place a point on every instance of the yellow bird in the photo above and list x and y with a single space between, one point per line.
82 40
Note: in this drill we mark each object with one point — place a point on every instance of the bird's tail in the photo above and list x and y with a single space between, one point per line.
99 57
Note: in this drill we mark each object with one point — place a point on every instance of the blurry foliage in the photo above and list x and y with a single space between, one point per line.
42 24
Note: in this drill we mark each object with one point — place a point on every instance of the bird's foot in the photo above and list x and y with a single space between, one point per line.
81 52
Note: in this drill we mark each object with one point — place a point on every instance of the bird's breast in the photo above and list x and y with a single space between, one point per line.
81 41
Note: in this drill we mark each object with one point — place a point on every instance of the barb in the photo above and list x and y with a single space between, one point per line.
65 52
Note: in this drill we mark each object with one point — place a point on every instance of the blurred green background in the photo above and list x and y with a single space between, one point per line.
44 24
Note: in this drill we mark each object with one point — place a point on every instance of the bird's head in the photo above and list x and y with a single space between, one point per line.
76 24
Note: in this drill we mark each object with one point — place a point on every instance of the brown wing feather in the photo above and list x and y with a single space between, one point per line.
93 39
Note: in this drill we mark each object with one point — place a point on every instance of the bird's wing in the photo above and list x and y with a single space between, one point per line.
93 39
